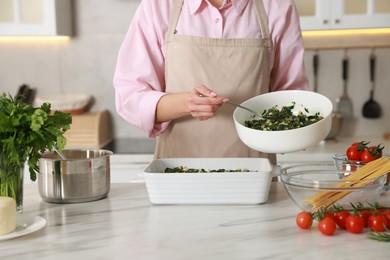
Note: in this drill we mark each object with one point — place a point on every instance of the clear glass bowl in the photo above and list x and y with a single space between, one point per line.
343 163
302 182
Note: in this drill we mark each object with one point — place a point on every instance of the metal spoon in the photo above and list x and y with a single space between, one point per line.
344 103
255 113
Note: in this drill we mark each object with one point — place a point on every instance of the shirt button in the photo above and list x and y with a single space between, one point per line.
217 20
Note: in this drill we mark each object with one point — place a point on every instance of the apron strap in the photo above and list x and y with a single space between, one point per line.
262 18
174 18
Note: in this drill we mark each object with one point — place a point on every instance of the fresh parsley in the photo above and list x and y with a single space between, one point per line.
26 132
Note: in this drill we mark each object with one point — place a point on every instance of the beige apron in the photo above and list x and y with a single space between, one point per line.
234 68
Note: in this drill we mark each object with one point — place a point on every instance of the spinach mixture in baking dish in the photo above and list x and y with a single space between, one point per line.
184 169
275 119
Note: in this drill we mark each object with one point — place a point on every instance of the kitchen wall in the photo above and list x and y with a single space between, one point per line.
330 84
86 64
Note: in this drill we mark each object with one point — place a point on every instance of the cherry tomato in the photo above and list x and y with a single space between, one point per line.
327 226
387 214
364 214
371 153
353 153
354 224
366 156
378 222
330 215
304 220
340 218
361 145
380 211
376 151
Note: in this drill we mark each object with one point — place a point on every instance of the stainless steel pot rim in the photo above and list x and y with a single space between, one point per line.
102 153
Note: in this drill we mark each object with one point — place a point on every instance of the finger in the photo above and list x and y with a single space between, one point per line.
203 118
205 91
203 110
203 100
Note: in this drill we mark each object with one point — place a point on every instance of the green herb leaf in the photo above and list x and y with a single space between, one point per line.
275 119
26 132
379 236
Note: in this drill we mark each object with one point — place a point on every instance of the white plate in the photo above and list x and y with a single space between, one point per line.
25 224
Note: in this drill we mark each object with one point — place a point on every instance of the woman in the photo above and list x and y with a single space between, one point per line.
182 59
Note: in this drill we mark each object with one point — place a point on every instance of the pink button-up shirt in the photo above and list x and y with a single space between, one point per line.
139 77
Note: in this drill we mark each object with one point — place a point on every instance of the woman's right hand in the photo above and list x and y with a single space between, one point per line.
204 103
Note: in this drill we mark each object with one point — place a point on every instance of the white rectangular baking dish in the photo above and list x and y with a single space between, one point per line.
210 188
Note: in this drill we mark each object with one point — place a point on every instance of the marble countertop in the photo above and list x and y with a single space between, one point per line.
125 225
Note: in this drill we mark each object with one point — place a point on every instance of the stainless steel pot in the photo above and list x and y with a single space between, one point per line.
83 176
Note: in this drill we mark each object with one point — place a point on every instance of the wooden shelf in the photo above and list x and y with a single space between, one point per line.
346 39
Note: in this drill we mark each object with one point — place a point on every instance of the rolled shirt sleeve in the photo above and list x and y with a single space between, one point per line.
139 76
288 68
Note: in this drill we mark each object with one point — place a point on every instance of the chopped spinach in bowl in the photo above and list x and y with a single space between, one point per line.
274 119
183 169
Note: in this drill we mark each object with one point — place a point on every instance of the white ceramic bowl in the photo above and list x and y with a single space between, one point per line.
289 140
71 103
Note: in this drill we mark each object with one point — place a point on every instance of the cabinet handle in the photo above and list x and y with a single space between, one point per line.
325 21
337 21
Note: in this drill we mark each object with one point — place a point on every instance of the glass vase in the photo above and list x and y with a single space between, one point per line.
11 184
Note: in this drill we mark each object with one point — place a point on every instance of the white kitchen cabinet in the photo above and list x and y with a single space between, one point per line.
343 14
35 18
